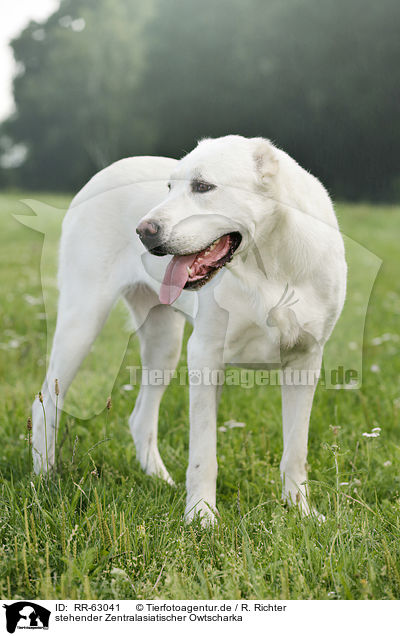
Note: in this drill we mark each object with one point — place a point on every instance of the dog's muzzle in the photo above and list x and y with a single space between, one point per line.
150 234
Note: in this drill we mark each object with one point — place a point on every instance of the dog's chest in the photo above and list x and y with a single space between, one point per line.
249 340
248 343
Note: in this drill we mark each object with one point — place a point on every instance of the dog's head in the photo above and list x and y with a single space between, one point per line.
220 195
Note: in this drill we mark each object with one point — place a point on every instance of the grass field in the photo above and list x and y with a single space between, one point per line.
102 529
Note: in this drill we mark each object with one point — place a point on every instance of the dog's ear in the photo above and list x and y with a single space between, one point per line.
266 159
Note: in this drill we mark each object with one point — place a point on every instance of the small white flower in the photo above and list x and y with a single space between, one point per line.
39 35
387 463
31 300
78 25
386 337
65 21
127 387
118 572
344 483
234 424
374 433
222 429
375 368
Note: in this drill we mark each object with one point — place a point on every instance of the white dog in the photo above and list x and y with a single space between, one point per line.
256 236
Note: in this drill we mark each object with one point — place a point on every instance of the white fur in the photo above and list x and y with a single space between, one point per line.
278 299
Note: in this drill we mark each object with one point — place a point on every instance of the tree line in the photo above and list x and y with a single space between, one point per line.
104 79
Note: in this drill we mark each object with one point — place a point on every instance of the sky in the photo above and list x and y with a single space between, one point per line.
14 16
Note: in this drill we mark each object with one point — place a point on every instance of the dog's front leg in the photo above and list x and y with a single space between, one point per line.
205 368
298 388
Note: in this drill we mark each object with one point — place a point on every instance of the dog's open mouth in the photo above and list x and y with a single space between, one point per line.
192 271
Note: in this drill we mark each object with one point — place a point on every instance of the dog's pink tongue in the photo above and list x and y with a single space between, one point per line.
175 278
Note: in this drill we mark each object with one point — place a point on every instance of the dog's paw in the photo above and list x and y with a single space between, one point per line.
318 516
41 465
153 466
165 476
312 513
300 499
202 510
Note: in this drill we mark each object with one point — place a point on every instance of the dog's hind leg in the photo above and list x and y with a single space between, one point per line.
81 315
160 337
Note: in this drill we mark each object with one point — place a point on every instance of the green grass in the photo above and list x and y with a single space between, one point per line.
100 528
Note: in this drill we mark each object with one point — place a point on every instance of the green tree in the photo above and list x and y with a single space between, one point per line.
321 79
75 92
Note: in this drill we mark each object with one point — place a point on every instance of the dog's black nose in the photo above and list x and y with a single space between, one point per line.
149 233
147 229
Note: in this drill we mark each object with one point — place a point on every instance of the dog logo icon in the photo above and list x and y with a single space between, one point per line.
26 615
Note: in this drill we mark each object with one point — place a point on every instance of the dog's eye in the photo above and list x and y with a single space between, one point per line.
202 186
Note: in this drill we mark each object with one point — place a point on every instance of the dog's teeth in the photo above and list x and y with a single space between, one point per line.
189 270
213 245
207 251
